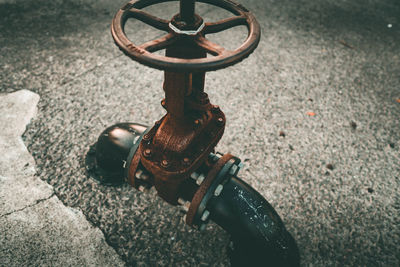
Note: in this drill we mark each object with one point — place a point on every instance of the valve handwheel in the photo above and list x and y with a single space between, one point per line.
177 154
180 27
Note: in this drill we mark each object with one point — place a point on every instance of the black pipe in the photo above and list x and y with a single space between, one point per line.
107 158
258 235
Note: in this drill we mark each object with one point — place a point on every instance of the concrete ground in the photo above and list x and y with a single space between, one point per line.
314 113
36 229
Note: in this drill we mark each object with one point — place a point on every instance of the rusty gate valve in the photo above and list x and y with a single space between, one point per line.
177 155
181 141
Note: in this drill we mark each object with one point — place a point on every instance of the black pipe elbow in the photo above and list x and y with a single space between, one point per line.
258 235
106 159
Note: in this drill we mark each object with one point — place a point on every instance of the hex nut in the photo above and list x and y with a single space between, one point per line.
233 170
138 174
200 179
194 175
146 137
205 215
186 206
218 190
186 161
181 201
165 163
215 109
147 153
144 176
197 123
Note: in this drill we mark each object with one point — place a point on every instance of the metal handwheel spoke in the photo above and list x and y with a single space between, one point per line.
225 24
188 27
212 48
160 43
149 19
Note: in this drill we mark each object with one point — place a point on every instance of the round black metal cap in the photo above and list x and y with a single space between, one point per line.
106 159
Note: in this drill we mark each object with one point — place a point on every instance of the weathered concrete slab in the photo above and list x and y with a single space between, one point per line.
36 229
50 234
18 186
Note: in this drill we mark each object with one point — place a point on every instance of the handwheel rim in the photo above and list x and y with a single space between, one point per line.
147 58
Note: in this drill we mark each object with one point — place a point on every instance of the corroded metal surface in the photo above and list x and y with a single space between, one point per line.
203 188
222 57
180 142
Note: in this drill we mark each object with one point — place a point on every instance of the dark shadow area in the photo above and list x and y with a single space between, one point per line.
360 23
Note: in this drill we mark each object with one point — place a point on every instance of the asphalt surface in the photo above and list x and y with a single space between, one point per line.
314 113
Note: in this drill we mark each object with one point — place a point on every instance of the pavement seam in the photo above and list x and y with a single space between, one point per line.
114 247
38 201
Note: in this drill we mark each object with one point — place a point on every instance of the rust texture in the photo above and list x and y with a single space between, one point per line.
198 197
222 57
180 142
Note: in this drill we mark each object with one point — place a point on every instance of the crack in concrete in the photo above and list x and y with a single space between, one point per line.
106 238
29 206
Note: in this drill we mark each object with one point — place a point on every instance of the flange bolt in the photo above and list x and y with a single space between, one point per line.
220 121
181 201
186 161
146 137
233 170
205 215
138 174
141 175
186 206
197 123
218 190
200 179
215 109
214 157
147 153
194 175
165 163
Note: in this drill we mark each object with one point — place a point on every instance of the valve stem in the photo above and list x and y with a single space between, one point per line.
187 10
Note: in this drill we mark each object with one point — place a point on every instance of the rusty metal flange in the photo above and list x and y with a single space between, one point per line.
220 167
